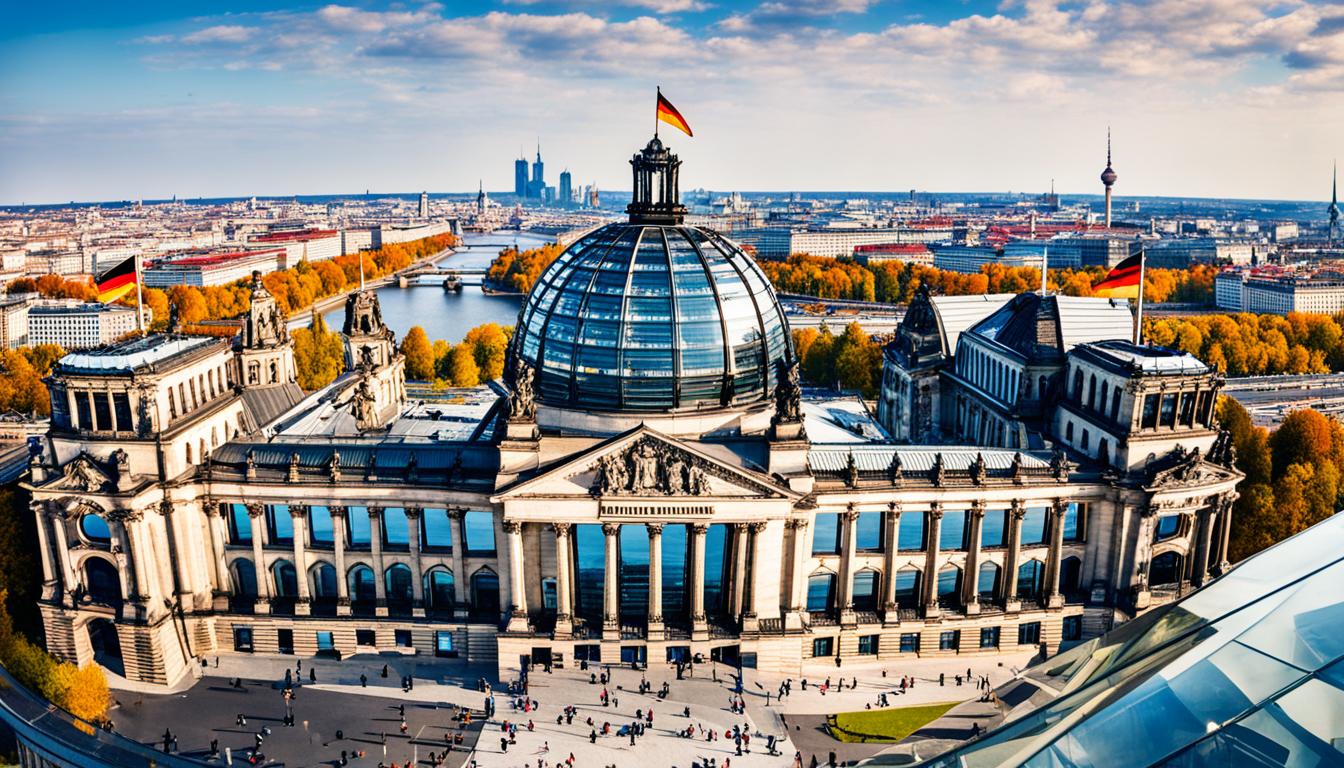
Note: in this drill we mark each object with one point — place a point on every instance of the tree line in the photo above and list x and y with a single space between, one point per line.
1245 344
517 271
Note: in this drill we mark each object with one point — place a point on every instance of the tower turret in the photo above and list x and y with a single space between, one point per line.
1333 210
1108 177
656 199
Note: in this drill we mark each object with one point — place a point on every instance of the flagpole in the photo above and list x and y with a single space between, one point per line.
139 298
655 111
1138 327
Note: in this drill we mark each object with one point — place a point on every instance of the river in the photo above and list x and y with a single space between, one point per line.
446 315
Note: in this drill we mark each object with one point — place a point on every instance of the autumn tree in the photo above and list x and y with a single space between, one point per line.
319 354
489 343
461 368
419 355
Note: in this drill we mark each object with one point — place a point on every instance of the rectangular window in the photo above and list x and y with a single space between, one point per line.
1168 417
436 532
826 533
365 637
1167 526
994 529
402 637
1033 526
1188 408
172 404
84 410
912 532
1087 439
396 533
443 645
989 637
325 642
102 411
321 532
868 532
479 528
868 645
121 408
279 525
1029 633
909 642
242 639
358 529
549 595
60 407
952 534
949 640
823 647
192 386
1150 411
240 525
1073 628
284 638
1074 514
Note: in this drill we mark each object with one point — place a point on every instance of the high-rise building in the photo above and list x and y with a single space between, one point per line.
538 186
424 205
482 200
1108 177
520 177
566 188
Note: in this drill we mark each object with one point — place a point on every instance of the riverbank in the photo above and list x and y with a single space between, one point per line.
304 316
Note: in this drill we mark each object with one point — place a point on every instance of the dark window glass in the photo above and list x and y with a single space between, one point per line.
912 532
1187 408
396 534
95 528
909 642
436 530
320 528
1168 417
1030 578
952 534
823 646
60 406
242 639
1073 628
102 411
633 579
907 587
1073 514
1150 411
84 410
279 524
361 586
324 582
365 637
949 584
994 528
240 525
121 406
820 592
325 641
676 586
1033 526
443 645
868 645
868 532
360 530
865 591
440 590
826 533
988 583
1029 633
479 528
949 640
1167 526
989 637
485 594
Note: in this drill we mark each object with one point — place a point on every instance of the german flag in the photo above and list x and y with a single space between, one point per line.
669 114
117 281
1122 282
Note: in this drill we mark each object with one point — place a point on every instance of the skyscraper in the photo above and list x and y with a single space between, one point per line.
520 177
538 186
482 200
424 205
1108 177
1334 206
566 188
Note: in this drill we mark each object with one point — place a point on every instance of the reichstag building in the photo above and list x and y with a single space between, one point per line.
648 482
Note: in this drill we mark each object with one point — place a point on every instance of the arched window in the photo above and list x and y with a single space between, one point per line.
440 591
987 584
1070 575
94 528
1078 385
1040 388
485 594
1091 390
907 586
1030 579
397 583
286 581
949 584
244 578
324 582
102 581
361 586
1166 569
820 592
865 590
1105 392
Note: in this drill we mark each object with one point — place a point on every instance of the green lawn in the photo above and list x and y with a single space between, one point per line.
884 725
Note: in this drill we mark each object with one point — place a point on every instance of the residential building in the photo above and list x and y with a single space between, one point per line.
75 325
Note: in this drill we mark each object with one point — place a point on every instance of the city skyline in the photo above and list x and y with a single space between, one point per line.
1216 99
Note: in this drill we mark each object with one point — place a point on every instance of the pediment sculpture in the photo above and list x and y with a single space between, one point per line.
650 468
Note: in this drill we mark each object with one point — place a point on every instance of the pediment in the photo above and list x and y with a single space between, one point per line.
1191 471
646 464
85 475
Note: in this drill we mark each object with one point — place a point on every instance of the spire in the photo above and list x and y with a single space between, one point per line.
538 149
1108 146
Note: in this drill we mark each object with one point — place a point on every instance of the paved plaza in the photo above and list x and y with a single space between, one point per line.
365 711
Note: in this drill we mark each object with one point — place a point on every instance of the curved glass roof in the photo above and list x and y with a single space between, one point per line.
1248 671
653 318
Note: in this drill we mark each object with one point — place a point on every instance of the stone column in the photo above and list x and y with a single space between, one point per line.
50 583
892 544
1225 531
971 577
139 544
655 627
214 517
1055 599
58 517
739 568
798 583
417 575
935 528
564 612
517 585
298 515
376 544
342 583
749 621
611 616
1011 603
1203 546
257 513
460 582
699 621
846 603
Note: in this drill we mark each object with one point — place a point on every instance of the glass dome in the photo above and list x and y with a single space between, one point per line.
653 318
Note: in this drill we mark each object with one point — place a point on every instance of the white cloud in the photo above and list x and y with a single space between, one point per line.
222 33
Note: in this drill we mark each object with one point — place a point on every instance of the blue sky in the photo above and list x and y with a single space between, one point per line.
109 101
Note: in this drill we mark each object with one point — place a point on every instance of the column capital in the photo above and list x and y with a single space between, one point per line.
701 529
935 510
413 513
456 513
1059 507
654 529
978 510
255 510
795 524
211 507
740 527
757 526
298 510
895 508
1019 510
611 529
375 511
850 514
511 526
119 515
338 511
561 529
